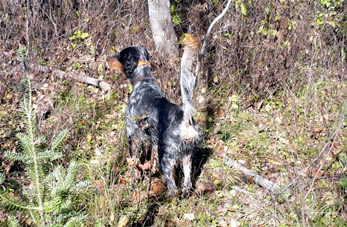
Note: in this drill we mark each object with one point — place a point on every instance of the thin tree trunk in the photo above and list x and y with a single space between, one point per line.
164 36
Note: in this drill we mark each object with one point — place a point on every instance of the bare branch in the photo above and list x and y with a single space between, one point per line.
208 34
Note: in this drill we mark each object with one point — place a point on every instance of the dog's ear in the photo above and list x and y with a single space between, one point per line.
114 64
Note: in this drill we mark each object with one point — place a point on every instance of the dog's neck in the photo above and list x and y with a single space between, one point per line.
142 78
141 62
144 74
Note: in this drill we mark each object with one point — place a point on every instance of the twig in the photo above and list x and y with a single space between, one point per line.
250 174
316 175
208 34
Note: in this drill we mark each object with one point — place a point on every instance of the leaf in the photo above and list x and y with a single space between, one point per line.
145 166
84 35
156 189
332 23
215 79
343 183
243 9
123 221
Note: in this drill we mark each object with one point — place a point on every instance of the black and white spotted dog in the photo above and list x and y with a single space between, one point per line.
149 114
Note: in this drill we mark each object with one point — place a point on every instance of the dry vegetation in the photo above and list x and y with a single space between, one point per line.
271 94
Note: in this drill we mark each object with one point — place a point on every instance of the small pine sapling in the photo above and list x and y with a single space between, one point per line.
51 195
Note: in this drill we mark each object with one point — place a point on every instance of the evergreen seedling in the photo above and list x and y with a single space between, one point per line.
49 197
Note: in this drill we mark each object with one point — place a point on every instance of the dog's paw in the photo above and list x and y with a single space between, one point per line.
173 192
186 191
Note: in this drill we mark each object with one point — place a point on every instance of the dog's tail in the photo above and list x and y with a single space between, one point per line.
188 79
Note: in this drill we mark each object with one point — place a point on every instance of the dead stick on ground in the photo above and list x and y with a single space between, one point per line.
79 77
274 188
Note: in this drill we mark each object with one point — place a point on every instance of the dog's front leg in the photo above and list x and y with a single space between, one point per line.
187 170
154 159
134 140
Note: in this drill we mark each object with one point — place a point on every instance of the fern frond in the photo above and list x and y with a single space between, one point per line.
10 201
53 204
16 156
55 181
59 139
49 155
67 204
70 175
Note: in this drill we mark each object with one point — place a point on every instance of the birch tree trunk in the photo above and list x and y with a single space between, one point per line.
164 36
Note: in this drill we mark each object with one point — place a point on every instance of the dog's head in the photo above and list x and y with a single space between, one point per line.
128 60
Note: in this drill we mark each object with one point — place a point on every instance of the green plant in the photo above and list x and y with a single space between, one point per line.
78 36
50 199
176 19
239 4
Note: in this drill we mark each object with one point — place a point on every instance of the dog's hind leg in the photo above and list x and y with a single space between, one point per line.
167 166
187 170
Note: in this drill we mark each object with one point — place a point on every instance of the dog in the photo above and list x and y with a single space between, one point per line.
149 115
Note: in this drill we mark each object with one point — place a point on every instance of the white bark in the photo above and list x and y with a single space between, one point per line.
274 188
164 36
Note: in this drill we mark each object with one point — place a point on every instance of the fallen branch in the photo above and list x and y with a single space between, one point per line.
274 188
79 77
84 79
